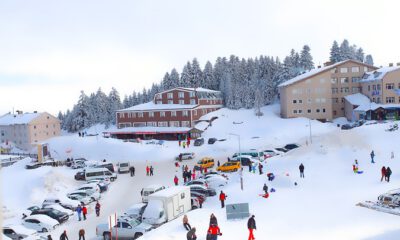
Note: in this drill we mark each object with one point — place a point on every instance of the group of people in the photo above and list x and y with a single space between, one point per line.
149 170
386 172
64 235
184 143
82 134
81 210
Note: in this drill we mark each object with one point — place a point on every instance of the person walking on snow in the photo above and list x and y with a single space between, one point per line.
214 232
392 155
191 235
260 167
151 170
388 173
82 234
97 209
301 168
372 156
249 167
383 172
79 211
132 170
213 219
147 170
84 212
186 223
176 180
222 198
265 188
251 225
64 236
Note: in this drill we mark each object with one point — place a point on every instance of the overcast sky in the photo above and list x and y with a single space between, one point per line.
51 50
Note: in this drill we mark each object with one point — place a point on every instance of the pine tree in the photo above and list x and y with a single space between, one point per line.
208 76
369 60
306 60
345 50
360 55
258 102
196 78
186 75
114 104
335 53
166 82
174 79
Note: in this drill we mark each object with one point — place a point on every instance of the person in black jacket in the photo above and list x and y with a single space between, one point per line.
388 173
191 235
265 188
64 236
301 168
251 225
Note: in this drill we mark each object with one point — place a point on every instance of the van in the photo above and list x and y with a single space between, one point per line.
150 190
205 162
95 173
245 160
253 154
123 167
109 166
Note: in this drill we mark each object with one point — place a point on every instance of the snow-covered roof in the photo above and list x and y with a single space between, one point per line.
150 130
373 106
21 229
357 99
24 118
200 89
44 219
378 74
153 186
169 192
152 106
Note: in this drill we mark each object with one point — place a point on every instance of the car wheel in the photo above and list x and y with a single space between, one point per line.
138 235
106 236
235 170
44 230
112 179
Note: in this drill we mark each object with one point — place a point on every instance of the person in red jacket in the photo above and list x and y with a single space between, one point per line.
383 172
213 232
147 170
176 180
222 198
84 212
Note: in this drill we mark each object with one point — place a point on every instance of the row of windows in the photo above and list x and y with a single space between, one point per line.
344 80
354 69
47 126
317 100
156 124
180 95
184 113
299 111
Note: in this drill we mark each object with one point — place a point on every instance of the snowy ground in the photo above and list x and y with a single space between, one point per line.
321 206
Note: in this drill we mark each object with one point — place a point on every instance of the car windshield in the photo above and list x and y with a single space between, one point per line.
123 165
134 223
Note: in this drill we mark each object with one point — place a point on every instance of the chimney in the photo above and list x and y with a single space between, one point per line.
390 64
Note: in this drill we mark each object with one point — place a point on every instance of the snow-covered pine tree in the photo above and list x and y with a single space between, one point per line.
81 114
306 60
174 79
258 102
208 76
196 78
369 60
114 104
345 50
166 82
186 75
335 53
360 55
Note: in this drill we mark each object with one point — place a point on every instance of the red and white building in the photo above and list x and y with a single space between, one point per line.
176 109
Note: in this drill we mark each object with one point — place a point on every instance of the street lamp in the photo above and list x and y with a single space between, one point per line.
241 169
309 123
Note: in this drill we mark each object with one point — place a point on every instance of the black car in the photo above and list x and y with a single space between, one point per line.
346 127
80 176
209 192
291 146
109 166
212 140
33 165
199 142
281 149
53 213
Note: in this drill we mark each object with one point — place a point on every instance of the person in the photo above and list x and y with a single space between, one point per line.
213 232
194 175
392 155
176 180
372 156
270 176
186 223
189 175
151 170
213 219
229 159
179 142
201 202
383 172
64 236
184 176
184 144
249 167
265 188
97 209
49 237
301 168
186 168
79 211
222 198
388 173
260 167
218 164
191 235
132 170
79 133
253 168
180 157
82 234
147 170
251 225
84 212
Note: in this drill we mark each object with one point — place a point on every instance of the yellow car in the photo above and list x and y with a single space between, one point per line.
229 167
205 162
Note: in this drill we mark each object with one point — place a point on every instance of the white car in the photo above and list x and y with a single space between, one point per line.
136 210
86 197
17 232
216 181
185 156
40 223
271 153
60 208
92 186
65 202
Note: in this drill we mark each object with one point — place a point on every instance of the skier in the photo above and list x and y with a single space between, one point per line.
213 232
97 209
222 198
189 175
383 172
176 180
79 133
253 168
251 225
191 235
151 170
82 234
213 219
184 144
372 156
132 170
84 212
186 223
147 170
64 236
301 168
184 176
260 167
265 188
79 211
388 173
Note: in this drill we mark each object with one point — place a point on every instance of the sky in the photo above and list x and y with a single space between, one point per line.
51 50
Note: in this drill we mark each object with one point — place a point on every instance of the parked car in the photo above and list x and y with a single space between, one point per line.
231 166
185 156
391 198
358 123
245 160
103 184
123 167
195 202
96 173
66 203
17 232
109 166
209 192
127 229
253 154
215 181
60 208
78 163
136 211
29 210
53 213
80 176
199 181
270 153
91 186
283 150
291 146
85 196
40 223
199 142
212 140
205 162
346 127
33 165
150 190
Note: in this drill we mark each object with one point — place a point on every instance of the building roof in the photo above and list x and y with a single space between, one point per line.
171 191
316 71
357 99
378 74
149 106
373 106
24 118
150 130
200 89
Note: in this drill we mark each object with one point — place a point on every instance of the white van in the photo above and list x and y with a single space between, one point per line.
150 190
96 173
123 167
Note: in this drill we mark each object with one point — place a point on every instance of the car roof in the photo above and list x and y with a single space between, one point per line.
197 185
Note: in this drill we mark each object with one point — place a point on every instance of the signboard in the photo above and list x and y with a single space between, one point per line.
237 210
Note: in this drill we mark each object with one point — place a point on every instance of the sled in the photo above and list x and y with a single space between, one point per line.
380 207
265 195
360 172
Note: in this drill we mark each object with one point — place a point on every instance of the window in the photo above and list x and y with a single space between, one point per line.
342 100
185 124
355 90
317 100
374 87
192 94
378 87
365 69
343 70
300 111
173 113
170 95
334 70
151 114
194 112
181 94
170 102
140 114
174 124
294 101
295 111
335 100
334 112
34 127
390 86
181 102
185 113
323 110
300 101
334 90
334 80
309 110
344 80
317 110
378 100
373 99
369 88
158 96
390 100
163 124
152 124
133 115
355 79
192 101
323 100
162 114
355 69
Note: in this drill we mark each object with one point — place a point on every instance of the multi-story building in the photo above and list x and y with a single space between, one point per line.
320 93
25 130
176 108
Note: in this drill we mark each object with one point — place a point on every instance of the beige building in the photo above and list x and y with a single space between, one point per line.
320 93
25 130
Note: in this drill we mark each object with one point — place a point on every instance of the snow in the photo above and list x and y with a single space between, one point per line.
11 119
357 99
169 192
373 106
21 229
321 206
200 90
153 209
44 219
150 130
152 106
378 74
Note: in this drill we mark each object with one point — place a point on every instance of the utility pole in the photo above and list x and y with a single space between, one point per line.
240 155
